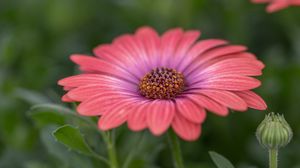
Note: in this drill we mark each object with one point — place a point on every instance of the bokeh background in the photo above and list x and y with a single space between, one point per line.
37 37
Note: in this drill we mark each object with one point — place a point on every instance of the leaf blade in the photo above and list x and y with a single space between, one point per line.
219 160
53 107
72 138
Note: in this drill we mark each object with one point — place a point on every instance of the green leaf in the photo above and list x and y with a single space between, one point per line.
73 139
59 155
43 118
45 114
30 96
53 107
62 110
220 161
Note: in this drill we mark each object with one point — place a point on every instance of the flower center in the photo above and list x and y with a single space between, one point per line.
162 83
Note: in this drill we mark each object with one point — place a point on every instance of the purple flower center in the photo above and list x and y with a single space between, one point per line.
162 83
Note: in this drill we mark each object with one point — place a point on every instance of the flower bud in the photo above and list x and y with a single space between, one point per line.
274 132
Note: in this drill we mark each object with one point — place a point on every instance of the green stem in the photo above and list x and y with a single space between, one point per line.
273 158
112 155
134 151
176 151
104 160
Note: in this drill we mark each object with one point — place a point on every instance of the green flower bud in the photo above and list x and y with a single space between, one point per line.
274 132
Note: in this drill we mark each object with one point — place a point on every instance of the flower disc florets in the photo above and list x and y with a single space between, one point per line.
162 83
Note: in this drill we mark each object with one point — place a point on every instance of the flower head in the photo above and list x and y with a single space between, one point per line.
158 82
276 5
274 132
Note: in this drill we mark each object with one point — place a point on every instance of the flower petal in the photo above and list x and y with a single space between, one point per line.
89 79
208 103
87 91
115 54
252 99
199 48
225 98
228 82
66 98
214 53
160 115
190 110
234 66
295 2
101 66
277 5
131 48
169 42
183 47
99 104
67 88
185 129
114 118
137 118
150 40
260 1
109 53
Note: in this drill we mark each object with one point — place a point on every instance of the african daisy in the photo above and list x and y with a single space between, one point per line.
158 82
276 5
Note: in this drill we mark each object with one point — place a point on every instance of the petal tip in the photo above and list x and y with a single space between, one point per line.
66 98
145 28
157 132
103 127
60 82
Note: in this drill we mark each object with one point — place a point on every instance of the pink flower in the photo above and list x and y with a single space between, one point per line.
276 5
158 82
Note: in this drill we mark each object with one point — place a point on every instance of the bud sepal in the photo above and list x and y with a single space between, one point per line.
274 132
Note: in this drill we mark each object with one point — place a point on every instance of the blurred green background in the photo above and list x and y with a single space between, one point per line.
37 37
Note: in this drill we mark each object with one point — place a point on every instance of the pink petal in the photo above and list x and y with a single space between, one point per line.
114 118
183 47
260 1
87 91
242 55
115 54
133 49
151 43
99 104
67 88
225 98
160 115
137 118
99 65
252 99
228 82
214 53
110 54
198 49
234 66
89 79
169 42
295 2
190 110
185 129
66 98
277 5
208 103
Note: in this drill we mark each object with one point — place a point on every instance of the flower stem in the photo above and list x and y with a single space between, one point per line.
112 155
273 158
175 148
